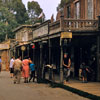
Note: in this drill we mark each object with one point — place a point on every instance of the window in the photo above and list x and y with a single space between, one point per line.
68 12
90 9
77 10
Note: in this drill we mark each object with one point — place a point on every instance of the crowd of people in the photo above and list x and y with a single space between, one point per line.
24 68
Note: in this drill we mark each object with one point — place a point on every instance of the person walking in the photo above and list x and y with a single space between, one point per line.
11 67
32 69
0 63
66 65
25 69
17 70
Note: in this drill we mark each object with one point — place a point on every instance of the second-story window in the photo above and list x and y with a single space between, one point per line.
68 12
77 10
90 9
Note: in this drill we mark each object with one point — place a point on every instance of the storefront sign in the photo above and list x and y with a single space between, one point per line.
40 32
66 35
4 46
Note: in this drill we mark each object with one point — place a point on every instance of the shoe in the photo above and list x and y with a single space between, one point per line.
27 81
24 81
14 82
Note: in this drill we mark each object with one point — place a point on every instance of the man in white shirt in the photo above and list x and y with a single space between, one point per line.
11 67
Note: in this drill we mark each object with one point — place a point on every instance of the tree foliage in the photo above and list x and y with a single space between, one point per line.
20 11
7 23
62 3
13 13
34 10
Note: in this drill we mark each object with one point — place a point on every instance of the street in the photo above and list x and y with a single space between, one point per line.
32 91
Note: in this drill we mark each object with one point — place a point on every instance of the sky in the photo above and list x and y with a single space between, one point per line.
48 6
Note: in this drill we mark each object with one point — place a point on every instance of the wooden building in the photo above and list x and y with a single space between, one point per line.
5 54
53 39
23 36
82 9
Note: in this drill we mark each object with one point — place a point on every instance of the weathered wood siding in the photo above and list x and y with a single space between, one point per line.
89 9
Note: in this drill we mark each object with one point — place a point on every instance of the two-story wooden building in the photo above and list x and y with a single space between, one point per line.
82 9
75 31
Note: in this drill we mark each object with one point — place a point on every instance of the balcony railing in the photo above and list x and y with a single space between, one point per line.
80 25
74 25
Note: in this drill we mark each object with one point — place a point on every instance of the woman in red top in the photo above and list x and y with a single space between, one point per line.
25 70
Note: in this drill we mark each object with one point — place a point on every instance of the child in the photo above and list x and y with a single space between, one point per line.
84 72
32 69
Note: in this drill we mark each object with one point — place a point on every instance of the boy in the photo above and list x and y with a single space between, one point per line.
32 69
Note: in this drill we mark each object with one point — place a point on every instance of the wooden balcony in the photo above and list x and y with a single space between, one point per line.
74 25
80 25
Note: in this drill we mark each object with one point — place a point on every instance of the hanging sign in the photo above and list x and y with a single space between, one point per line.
66 35
23 48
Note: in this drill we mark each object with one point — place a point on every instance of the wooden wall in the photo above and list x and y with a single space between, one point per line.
83 9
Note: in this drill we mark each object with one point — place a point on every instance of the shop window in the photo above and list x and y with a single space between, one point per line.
90 9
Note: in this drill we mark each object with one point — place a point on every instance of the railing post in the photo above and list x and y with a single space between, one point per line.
62 21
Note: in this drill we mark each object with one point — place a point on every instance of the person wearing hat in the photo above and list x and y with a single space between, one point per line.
66 65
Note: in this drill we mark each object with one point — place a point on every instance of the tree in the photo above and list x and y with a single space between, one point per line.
7 23
34 10
62 3
18 8
13 13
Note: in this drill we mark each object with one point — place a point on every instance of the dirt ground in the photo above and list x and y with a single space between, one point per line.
32 91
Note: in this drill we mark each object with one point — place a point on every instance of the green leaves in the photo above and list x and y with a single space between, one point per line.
20 11
62 3
7 23
34 10
13 13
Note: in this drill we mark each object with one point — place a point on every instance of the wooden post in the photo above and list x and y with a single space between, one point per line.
49 43
28 50
61 58
39 69
22 54
62 21
98 58
18 51
98 50
61 62
99 22
15 52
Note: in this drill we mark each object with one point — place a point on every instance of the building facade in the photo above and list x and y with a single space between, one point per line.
76 31
82 9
